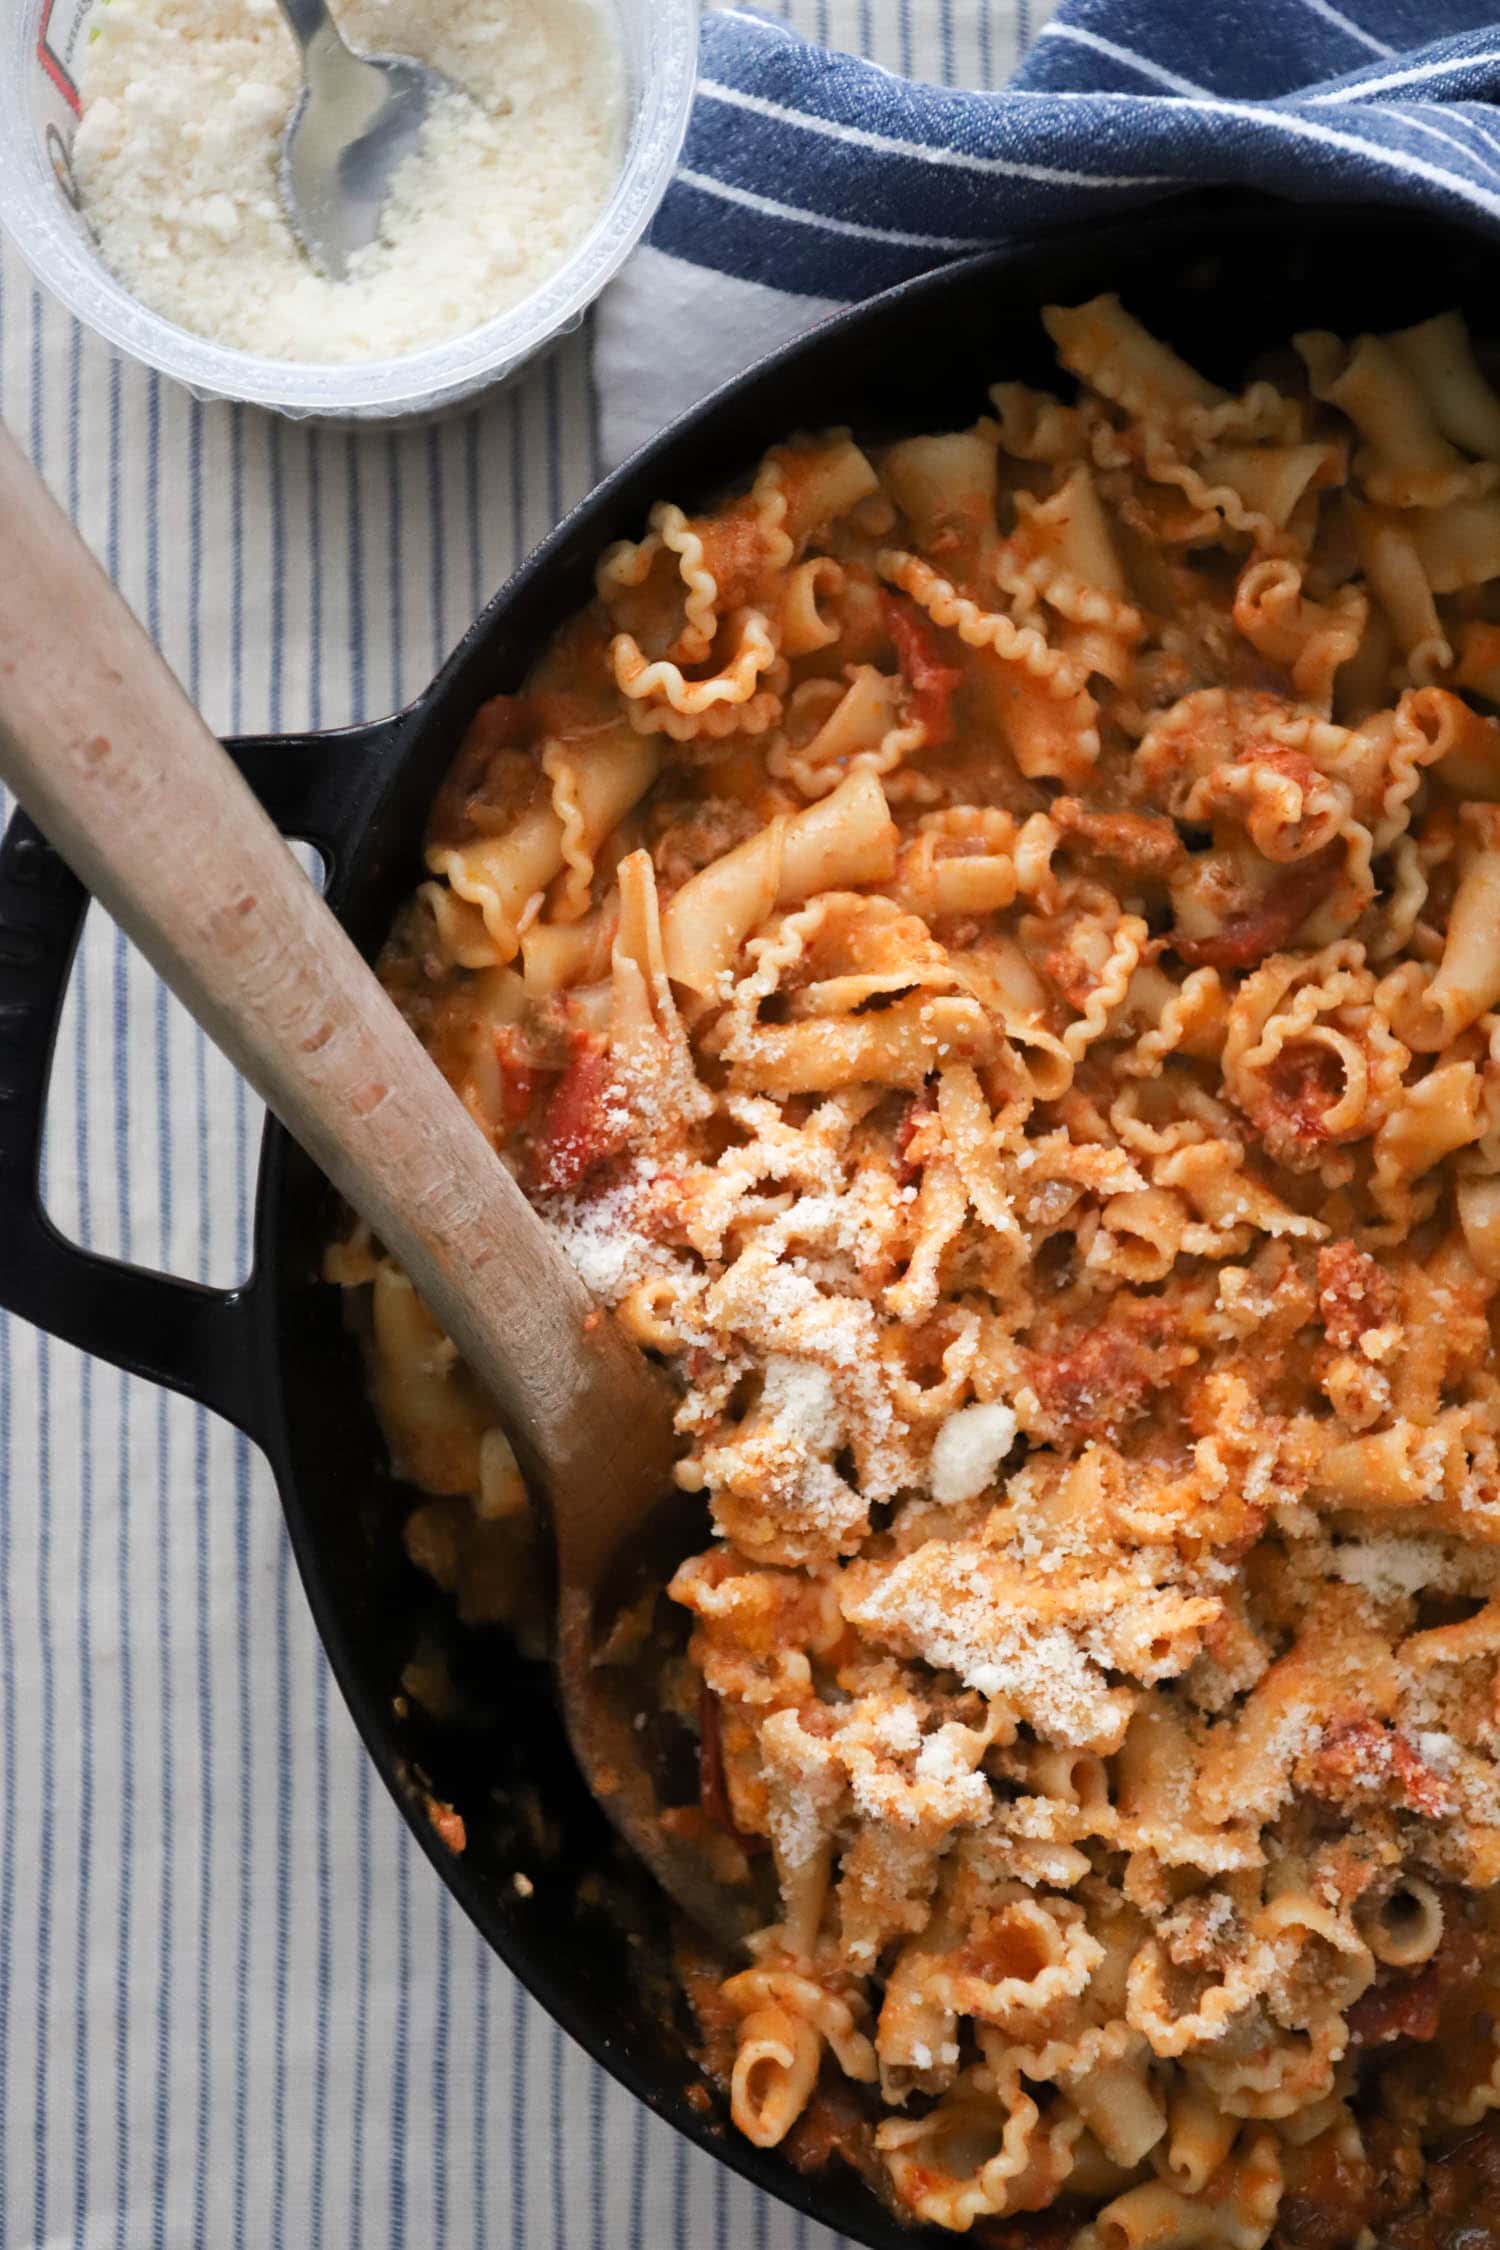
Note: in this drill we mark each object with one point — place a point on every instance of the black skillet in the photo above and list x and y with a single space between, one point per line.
1222 278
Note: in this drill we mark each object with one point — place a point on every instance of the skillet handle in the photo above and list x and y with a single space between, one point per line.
203 1342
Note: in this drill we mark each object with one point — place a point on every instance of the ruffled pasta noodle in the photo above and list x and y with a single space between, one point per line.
987 950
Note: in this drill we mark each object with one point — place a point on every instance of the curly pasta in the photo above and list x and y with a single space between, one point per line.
987 949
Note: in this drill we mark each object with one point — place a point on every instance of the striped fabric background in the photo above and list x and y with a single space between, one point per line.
235 2008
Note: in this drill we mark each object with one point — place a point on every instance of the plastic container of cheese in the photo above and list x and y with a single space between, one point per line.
39 43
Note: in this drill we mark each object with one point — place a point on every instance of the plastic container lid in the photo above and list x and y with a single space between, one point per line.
38 208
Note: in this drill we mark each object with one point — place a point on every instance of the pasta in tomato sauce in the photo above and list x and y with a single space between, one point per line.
987 949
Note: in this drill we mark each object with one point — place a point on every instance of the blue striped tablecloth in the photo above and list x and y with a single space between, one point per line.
235 2008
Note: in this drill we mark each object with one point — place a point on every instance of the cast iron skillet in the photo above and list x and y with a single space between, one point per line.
1220 277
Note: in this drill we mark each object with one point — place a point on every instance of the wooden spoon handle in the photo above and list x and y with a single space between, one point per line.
103 748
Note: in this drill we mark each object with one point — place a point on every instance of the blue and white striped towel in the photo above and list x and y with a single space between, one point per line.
811 179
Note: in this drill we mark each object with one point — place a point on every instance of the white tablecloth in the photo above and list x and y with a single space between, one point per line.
235 2008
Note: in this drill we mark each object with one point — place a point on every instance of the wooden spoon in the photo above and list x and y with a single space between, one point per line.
100 744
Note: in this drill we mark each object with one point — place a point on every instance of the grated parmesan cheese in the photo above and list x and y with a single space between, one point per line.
1392 1568
176 157
969 1449
601 1237
798 1397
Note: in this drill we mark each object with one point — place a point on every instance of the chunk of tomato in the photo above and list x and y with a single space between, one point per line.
919 653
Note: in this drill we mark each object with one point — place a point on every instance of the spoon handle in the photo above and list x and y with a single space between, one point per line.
103 748
312 26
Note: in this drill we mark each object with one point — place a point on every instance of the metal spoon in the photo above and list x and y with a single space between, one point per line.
103 748
356 119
